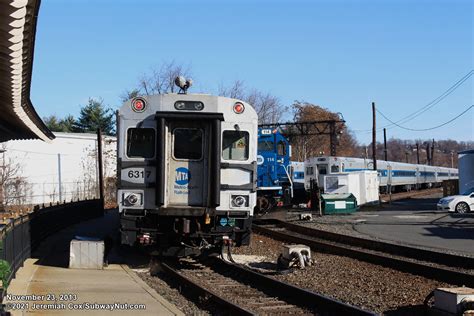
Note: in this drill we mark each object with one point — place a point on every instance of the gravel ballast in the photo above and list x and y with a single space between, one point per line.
366 285
171 291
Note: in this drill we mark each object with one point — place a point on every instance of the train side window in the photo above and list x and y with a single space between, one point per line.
281 148
309 171
187 143
265 145
334 168
235 145
140 142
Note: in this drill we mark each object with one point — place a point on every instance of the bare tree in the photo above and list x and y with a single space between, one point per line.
315 145
110 173
161 80
236 90
89 172
18 191
9 170
269 108
129 94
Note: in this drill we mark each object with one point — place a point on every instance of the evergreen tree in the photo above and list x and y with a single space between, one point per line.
95 115
53 123
67 124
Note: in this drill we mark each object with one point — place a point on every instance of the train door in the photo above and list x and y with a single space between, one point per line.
187 163
322 172
389 176
417 177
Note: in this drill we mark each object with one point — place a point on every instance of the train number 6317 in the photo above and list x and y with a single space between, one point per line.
139 174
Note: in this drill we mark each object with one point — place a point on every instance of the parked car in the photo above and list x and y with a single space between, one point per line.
462 203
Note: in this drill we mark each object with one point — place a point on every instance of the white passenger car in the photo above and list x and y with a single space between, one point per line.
187 168
458 203
391 174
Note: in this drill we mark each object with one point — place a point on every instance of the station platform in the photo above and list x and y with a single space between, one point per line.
50 287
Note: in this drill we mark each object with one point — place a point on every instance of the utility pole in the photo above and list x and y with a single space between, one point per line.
385 143
432 152
406 156
374 137
417 153
332 138
452 158
59 179
101 172
428 160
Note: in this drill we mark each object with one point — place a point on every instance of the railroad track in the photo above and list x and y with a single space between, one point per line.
239 290
431 264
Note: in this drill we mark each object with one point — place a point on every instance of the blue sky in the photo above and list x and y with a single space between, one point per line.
341 55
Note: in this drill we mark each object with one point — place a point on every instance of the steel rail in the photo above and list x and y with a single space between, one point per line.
442 258
232 309
299 297
339 247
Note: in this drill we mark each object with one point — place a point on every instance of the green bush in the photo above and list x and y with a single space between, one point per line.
5 272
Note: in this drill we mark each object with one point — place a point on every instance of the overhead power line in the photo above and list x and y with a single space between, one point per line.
427 129
435 101
427 106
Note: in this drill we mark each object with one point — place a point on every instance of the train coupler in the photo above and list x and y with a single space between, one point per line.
226 249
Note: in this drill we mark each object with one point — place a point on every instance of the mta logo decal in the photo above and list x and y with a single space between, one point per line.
182 176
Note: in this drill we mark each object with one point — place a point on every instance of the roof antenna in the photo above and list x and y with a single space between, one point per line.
183 84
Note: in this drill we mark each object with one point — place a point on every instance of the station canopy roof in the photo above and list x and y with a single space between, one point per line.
18 118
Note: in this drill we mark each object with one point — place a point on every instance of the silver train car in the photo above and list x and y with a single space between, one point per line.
187 172
397 175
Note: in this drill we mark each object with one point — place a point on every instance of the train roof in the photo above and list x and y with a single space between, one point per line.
167 102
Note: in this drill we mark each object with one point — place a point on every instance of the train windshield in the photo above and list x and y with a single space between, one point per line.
140 142
187 143
235 145
265 145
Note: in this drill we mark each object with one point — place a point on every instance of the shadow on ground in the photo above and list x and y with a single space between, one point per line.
54 250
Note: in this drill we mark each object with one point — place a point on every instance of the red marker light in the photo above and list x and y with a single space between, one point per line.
239 108
138 105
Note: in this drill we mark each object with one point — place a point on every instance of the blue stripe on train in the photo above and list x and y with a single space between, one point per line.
398 173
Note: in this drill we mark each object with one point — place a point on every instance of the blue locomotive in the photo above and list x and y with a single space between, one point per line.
278 178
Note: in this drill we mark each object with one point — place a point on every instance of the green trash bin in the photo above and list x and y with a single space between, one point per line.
339 203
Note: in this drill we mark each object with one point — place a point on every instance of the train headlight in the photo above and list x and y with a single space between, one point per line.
239 200
189 105
132 199
239 108
180 106
138 105
198 106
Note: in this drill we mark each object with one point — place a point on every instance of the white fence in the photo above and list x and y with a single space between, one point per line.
36 172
